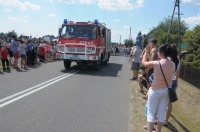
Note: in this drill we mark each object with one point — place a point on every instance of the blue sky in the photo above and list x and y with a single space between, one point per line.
42 17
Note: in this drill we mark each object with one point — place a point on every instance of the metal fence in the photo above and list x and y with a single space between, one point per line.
190 75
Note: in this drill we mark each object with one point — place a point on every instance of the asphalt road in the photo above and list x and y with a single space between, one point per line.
50 99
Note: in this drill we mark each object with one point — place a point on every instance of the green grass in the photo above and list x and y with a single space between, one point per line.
186 111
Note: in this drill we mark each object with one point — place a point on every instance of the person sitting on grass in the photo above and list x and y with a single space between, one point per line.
142 82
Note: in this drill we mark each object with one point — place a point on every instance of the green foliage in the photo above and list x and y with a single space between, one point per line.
128 43
144 41
192 38
140 33
160 32
11 33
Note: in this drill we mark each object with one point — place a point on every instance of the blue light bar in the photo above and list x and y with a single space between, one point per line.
65 21
96 21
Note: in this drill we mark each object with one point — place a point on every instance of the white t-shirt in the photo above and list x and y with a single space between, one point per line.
137 52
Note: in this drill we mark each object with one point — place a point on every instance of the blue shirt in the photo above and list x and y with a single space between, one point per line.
14 47
29 47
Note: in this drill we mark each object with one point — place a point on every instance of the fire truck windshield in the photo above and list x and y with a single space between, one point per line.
78 31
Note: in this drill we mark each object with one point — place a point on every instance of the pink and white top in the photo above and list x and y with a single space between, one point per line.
168 67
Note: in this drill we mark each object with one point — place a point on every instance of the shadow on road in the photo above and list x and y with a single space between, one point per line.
109 70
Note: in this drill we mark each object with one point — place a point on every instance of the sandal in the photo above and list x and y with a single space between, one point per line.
145 127
166 125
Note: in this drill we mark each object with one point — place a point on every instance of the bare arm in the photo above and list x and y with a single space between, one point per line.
178 73
133 54
149 64
153 54
141 56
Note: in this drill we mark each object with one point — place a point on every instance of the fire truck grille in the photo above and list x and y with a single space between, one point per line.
80 49
71 49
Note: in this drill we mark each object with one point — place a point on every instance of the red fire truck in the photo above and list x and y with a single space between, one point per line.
83 42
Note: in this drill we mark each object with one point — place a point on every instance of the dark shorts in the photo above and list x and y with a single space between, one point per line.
144 83
10 53
148 74
23 56
135 66
16 55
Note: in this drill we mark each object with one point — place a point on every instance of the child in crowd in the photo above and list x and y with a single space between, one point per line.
4 59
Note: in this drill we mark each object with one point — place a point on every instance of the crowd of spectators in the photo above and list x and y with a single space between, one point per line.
120 50
29 51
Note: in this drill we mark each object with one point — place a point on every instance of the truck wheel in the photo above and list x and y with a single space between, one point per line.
108 56
105 62
101 60
67 64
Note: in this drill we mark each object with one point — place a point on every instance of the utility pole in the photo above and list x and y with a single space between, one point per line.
120 40
130 38
179 27
177 4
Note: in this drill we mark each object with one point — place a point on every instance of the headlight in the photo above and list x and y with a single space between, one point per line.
92 57
91 50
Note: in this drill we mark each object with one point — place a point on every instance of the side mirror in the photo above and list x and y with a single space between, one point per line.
59 31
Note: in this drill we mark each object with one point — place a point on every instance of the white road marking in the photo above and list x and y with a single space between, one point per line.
31 88
34 89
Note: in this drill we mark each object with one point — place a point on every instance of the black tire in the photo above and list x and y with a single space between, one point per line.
101 60
105 62
67 64
108 56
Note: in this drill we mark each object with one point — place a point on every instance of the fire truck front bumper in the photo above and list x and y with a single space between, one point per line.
77 57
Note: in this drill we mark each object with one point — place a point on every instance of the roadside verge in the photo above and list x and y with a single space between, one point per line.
186 111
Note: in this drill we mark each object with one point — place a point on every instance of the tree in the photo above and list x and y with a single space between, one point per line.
192 38
144 41
2 34
140 33
128 43
11 33
160 32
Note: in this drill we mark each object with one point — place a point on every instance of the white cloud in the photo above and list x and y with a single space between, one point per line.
115 4
126 27
117 20
7 10
112 5
139 3
22 5
49 0
192 20
18 20
68 1
51 15
197 2
87 2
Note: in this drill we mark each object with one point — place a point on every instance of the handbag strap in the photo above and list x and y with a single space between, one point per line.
163 74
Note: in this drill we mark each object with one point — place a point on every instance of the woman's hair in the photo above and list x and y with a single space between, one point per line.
165 49
174 55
